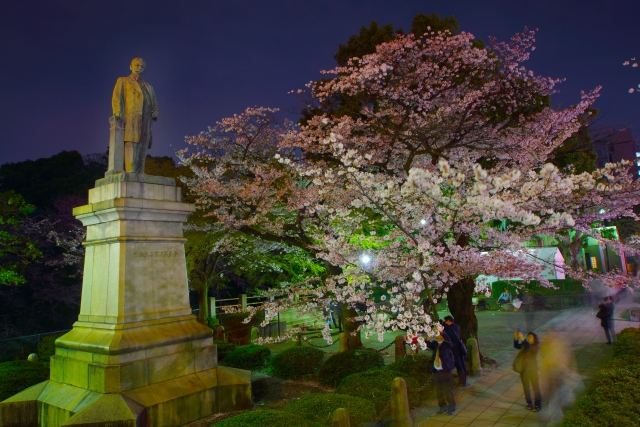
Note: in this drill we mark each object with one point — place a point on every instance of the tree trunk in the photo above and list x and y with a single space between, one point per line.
461 308
203 305
350 325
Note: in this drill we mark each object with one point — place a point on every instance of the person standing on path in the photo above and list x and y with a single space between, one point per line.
605 315
442 364
459 349
336 312
529 368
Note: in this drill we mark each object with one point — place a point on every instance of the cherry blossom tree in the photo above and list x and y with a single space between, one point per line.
439 176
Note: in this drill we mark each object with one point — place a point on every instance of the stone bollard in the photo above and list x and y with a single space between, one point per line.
340 418
255 334
344 342
219 334
401 348
475 366
400 415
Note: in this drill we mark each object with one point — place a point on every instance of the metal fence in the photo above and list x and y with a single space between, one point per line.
20 347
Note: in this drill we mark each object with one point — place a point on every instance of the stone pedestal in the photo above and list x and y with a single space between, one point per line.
136 356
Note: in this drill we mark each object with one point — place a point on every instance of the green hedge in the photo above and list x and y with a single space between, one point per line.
375 385
18 375
47 346
251 357
613 397
341 365
266 418
318 408
224 348
416 366
564 287
297 362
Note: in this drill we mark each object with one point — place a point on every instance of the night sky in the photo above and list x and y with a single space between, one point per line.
210 59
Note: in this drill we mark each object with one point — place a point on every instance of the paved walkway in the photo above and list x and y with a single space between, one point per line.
497 399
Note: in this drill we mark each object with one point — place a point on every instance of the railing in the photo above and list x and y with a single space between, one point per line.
21 347
281 322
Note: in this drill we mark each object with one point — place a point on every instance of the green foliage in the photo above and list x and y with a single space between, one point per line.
218 259
224 348
20 374
375 385
416 366
626 227
564 287
364 43
613 397
577 153
45 180
341 365
250 357
367 39
166 166
426 23
297 362
318 409
47 346
270 418
17 248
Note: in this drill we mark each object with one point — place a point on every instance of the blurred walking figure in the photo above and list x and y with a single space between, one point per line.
526 364
442 364
606 319
459 349
559 371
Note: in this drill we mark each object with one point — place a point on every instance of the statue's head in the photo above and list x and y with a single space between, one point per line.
137 66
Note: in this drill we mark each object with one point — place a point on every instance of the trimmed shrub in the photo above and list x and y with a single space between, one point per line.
417 366
341 365
296 362
613 397
266 418
375 385
318 408
564 287
251 357
224 348
18 375
47 346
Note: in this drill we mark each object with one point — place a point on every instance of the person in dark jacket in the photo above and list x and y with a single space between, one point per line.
529 375
336 314
606 319
442 363
459 349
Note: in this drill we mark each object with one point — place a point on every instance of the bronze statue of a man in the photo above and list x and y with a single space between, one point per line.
135 102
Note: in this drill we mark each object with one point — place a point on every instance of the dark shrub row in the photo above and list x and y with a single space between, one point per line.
18 375
341 365
613 397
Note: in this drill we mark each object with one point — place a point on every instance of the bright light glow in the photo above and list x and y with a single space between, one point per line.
366 259
601 211
424 221
637 154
